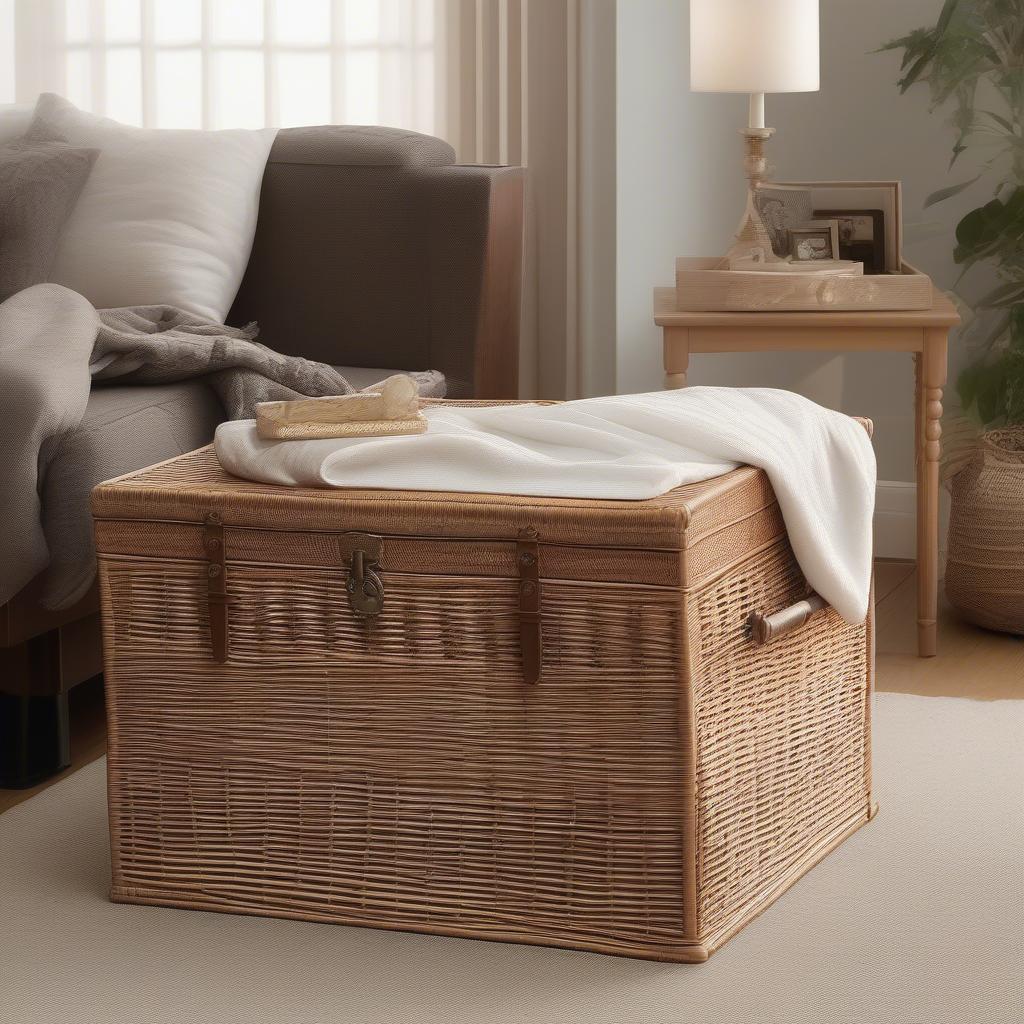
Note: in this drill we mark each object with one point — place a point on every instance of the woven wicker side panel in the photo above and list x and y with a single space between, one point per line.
399 773
781 741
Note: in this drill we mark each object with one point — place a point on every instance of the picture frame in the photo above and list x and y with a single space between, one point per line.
851 196
814 241
782 207
861 237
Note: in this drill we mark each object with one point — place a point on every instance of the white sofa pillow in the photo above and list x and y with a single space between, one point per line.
167 215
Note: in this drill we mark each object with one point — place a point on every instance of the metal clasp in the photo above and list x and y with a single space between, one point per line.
364 585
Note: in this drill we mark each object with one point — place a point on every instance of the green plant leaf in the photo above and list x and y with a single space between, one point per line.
949 192
992 336
1001 121
1006 294
991 394
996 227
1017 328
967 385
946 16
917 69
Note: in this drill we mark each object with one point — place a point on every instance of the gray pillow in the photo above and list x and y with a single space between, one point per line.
39 185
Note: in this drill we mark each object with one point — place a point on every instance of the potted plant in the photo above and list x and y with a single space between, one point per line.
973 59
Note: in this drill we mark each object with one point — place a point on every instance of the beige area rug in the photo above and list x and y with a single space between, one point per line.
917 919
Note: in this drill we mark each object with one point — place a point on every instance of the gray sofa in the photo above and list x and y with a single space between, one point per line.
375 252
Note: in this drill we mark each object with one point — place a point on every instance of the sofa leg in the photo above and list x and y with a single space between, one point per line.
34 739
34 726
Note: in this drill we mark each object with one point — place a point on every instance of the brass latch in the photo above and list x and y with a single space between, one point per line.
364 585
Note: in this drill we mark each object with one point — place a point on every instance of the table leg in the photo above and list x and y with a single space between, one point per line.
677 356
930 380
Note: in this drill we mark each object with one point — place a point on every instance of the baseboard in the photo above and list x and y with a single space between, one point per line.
896 520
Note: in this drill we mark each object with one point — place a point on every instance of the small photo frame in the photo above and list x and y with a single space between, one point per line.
782 207
861 237
860 196
814 241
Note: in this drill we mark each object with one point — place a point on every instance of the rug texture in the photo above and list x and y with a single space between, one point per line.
917 919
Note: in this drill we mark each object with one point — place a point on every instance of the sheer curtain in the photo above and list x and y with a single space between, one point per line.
232 63
531 82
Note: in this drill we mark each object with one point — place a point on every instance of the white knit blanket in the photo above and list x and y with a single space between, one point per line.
820 462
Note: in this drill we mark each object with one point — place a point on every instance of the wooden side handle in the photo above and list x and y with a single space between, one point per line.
765 628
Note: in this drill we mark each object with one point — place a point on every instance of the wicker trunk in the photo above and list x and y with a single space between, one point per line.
534 720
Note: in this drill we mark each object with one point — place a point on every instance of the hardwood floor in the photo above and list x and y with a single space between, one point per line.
971 663
88 738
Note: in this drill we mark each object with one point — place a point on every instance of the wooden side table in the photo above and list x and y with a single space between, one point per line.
921 332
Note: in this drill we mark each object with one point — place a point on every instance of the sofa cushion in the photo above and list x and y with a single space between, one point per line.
167 215
124 429
39 185
360 146
128 428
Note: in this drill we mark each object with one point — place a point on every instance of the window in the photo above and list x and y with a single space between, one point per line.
249 63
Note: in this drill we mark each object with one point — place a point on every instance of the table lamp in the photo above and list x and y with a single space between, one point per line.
754 46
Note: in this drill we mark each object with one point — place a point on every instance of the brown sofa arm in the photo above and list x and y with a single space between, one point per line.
476 279
374 249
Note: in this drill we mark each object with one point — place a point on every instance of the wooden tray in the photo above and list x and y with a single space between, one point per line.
703 286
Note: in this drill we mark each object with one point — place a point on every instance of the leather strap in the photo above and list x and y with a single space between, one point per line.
217 596
531 637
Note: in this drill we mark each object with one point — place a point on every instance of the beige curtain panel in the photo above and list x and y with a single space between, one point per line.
509 93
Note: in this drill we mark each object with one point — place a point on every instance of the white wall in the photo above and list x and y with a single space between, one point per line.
6 51
680 190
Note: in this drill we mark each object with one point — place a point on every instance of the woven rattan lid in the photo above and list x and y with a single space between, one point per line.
190 487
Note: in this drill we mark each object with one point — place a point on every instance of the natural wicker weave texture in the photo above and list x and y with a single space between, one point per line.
985 566
661 785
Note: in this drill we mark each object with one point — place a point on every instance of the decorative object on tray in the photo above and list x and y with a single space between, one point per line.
868 208
835 199
739 46
814 241
387 409
781 207
861 237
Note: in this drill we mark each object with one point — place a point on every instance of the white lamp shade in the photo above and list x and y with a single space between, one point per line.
754 46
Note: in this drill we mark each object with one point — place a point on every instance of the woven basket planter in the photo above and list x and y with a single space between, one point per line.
535 720
985 565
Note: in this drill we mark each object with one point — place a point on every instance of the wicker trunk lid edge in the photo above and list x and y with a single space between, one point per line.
189 488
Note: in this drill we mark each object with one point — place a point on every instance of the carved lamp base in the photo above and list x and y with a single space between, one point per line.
752 239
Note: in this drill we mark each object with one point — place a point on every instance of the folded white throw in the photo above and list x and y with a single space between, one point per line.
820 462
